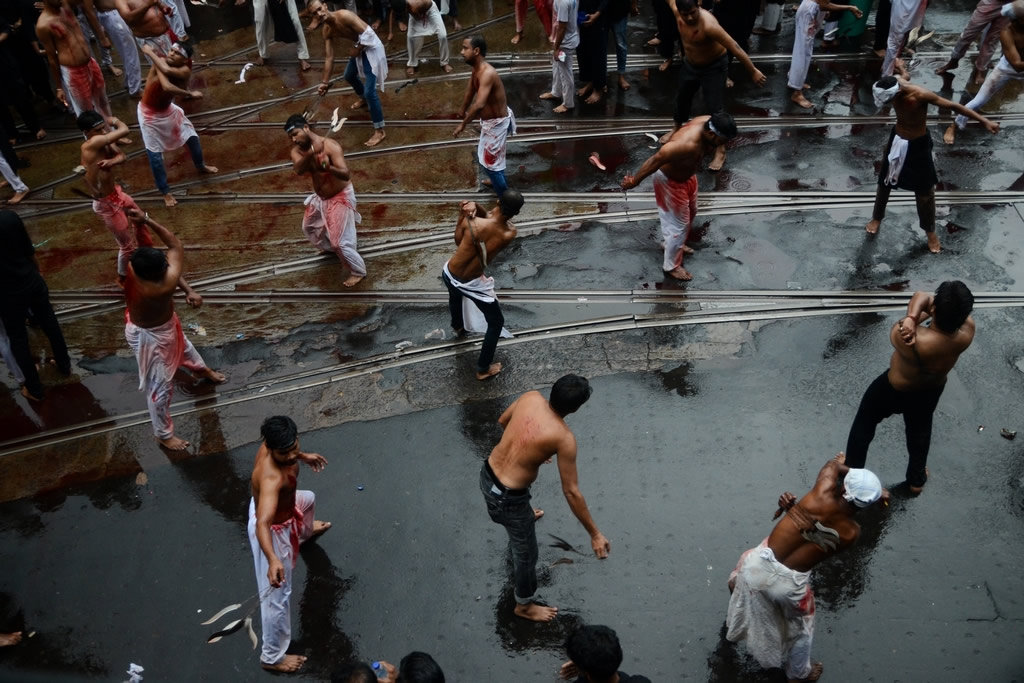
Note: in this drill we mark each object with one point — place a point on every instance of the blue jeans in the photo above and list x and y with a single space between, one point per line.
367 92
619 29
511 509
156 163
498 182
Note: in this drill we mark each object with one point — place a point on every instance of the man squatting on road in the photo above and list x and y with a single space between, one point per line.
153 330
70 59
675 167
706 48
908 162
535 431
480 236
331 216
485 97
280 520
771 605
921 359
164 125
367 61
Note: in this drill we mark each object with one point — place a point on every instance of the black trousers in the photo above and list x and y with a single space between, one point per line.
593 55
882 17
14 308
668 30
880 401
709 78
492 314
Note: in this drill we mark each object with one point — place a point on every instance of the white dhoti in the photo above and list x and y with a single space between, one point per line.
373 49
997 78
160 351
164 131
772 610
121 36
275 609
494 134
481 289
677 207
906 16
808 20
330 225
129 234
429 25
897 156
8 355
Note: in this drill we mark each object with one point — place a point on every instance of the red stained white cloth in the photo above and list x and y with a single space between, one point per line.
494 134
164 131
677 207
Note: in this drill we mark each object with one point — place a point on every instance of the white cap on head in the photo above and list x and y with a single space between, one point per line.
884 96
861 487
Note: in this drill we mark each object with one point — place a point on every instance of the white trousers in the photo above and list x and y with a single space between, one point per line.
563 85
8 355
906 16
265 28
275 607
421 28
11 176
179 20
995 81
123 40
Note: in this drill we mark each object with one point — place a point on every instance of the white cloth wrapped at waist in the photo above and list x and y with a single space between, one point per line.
374 51
897 156
494 134
481 289
164 131
160 350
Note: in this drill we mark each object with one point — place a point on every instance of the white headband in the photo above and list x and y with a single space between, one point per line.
711 127
180 50
884 96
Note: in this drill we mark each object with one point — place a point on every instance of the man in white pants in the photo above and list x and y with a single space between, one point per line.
906 16
265 31
567 39
425 20
280 520
15 181
121 36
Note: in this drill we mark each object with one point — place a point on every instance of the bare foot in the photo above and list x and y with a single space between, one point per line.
402 27
665 65
949 137
320 527
259 61
654 42
126 141
18 196
537 513
719 160
375 25
916 490
377 138
799 98
816 669
353 280
948 66
517 37
879 53
667 136
679 273
584 90
623 83
872 227
687 250
458 26
114 71
12 638
304 65
979 77
410 71
594 98
535 612
447 68
212 375
358 104
933 243
289 664
561 109
491 372
169 200
548 96
41 134
487 182
729 83
174 443
208 169
29 395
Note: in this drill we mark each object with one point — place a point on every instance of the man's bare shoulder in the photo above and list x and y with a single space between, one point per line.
708 21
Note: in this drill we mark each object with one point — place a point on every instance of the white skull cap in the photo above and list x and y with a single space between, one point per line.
862 487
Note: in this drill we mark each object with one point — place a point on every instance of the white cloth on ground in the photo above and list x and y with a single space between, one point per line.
122 38
164 131
275 607
772 609
419 29
160 351
897 156
374 51
8 355
808 20
330 225
481 289
906 16
997 78
494 134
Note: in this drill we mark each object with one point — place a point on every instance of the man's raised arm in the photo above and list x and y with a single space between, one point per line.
932 98
573 496
175 249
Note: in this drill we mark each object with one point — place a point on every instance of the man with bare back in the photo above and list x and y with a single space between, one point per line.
331 216
480 236
913 383
280 520
706 48
535 431
675 168
153 330
908 162
148 21
485 97
367 61
164 125
70 59
771 606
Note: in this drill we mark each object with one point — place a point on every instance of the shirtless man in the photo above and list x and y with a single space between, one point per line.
163 124
280 519
485 97
425 20
153 330
367 61
331 216
479 236
706 48
775 576
675 168
912 385
121 38
70 59
148 21
1009 68
907 162
535 431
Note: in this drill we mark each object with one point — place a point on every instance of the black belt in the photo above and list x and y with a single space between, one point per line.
505 491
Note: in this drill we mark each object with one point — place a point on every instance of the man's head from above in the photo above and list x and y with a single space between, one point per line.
281 437
149 264
569 393
862 488
952 303
297 128
91 123
719 129
473 48
596 652
354 672
419 667
510 203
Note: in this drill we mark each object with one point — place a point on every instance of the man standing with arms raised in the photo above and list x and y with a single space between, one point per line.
535 431
675 168
485 97
70 59
912 385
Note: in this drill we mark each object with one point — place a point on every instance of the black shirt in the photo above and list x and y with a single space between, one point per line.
18 267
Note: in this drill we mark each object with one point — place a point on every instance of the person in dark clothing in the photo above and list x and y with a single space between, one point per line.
668 32
21 15
882 18
593 50
24 289
595 656
737 17
14 90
